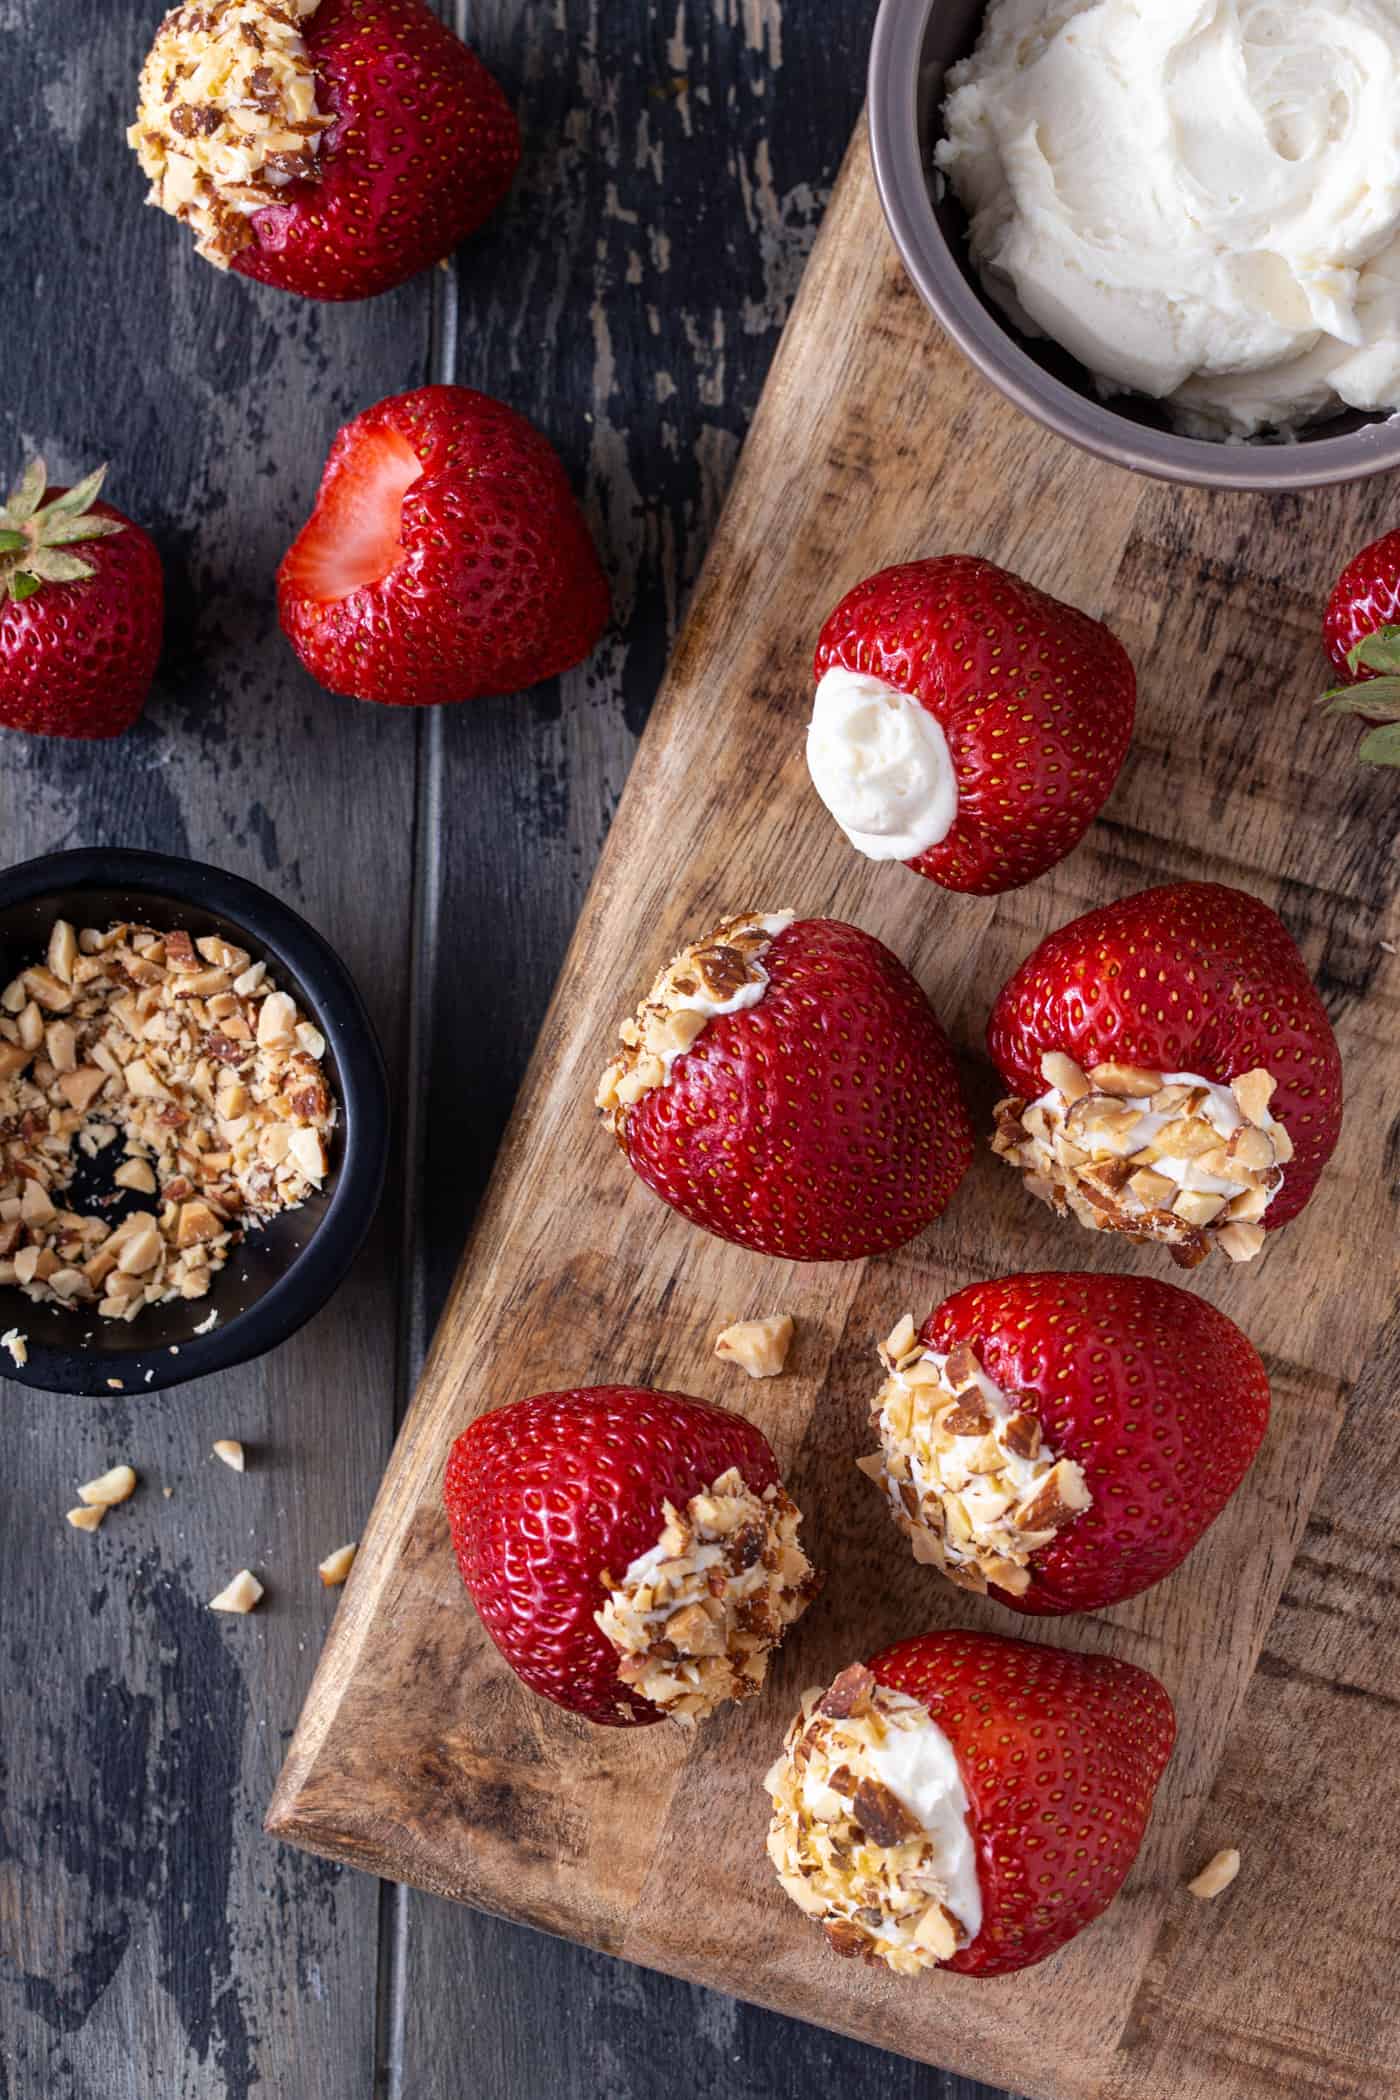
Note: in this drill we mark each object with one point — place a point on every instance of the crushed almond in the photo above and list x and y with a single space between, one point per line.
198 1111
242 1594
17 1345
1216 1877
1164 1156
336 1566
722 974
87 1517
970 1479
227 116
760 1347
112 1487
695 1618
231 1452
848 1849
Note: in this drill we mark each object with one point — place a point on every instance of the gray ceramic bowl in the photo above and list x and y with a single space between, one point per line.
915 43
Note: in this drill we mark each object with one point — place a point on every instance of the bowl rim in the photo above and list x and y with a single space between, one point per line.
340 1013
896 52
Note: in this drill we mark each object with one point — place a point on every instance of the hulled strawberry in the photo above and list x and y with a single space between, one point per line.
966 1802
445 559
1174 1075
1361 633
965 723
786 1085
1063 1441
329 147
80 632
633 1554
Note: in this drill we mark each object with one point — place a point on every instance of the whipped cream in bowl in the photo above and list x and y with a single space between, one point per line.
1198 199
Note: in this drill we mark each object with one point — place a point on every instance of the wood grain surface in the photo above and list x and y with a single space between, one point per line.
420 1756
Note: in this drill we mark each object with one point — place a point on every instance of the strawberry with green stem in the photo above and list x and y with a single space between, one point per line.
1361 633
80 633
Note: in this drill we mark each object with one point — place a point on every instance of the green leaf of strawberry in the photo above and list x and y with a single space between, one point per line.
1381 747
32 531
1377 651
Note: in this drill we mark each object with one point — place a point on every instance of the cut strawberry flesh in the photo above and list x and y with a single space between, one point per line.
354 537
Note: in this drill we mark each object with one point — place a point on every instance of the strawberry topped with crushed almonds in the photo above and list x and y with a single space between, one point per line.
333 148
786 1085
633 1554
966 1802
1174 1074
1061 1442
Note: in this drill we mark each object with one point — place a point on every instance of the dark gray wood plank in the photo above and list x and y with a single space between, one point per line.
151 1940
628 300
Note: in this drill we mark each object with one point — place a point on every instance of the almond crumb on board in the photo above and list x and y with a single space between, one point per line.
110 1488
88 1517
1216 1877
336 1566
760 1347
242 1594
231 1452
18 1346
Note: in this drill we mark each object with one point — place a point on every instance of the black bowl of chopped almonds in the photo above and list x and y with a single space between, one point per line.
193 1122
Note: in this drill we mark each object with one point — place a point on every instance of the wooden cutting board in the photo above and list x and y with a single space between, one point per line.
421 1758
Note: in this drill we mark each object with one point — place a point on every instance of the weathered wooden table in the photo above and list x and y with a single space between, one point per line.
154 1945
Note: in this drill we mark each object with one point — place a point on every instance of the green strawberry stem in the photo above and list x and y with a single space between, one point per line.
1377 699
33 534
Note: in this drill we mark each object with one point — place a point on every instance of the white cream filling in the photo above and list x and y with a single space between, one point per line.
1220 1109
1199 199
881 764
918 1764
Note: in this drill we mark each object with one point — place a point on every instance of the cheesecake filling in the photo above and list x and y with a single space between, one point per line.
722 974
871 1832
695 1618
881 764
1166 1156
227 116
970 1479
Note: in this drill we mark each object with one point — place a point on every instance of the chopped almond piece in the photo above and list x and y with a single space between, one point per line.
231 1452
82 1087
242 1594
1216 1877
87 1519
136 1174
110 1488
336 1566
759 1346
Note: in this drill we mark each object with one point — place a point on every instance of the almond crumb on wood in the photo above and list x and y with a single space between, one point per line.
760 1347
110 1488
336 1566
242 1594
231 1452
87 1518
1216 1877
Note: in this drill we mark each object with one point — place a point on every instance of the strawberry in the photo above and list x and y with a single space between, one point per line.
1122 1414
966 1801
786 1085
1361 632
333 148
445 558
80 634
1174 1075
966 723
632 1554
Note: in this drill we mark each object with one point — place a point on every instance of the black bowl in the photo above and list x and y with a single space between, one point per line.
279 1277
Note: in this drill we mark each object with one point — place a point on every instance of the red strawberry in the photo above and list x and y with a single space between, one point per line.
1362 635
1175 1036
80 634
446 558
788 1086
967 1802
552 1501
992 734
1126 1413
383 141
